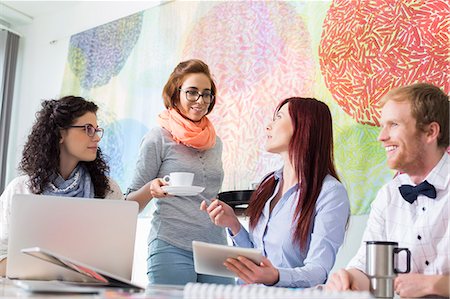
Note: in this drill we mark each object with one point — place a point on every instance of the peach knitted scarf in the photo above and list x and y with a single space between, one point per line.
200 135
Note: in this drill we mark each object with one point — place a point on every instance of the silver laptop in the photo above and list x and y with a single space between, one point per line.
96 232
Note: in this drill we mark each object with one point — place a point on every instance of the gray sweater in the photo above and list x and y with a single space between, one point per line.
178 220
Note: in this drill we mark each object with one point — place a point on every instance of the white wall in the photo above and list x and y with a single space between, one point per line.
353 237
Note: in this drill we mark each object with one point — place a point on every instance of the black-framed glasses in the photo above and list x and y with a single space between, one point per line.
90 130
193 95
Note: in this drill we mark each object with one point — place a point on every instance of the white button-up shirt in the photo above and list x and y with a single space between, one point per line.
422 227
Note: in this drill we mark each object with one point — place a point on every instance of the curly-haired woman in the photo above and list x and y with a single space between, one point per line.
61 158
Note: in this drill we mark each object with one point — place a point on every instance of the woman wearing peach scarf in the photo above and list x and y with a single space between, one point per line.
185 142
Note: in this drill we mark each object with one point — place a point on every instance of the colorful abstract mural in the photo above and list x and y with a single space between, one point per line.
382 45
97 55
345 53
263 58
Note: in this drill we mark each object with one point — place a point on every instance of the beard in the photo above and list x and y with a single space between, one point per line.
408 157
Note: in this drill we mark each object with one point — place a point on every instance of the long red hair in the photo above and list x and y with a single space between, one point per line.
311 154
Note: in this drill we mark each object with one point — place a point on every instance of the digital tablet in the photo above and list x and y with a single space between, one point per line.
96 277
209 258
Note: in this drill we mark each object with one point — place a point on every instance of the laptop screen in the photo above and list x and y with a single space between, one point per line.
96 232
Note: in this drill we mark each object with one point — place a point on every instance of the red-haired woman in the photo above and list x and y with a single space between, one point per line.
298 214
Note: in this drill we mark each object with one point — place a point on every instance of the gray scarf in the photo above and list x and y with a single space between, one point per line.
79 184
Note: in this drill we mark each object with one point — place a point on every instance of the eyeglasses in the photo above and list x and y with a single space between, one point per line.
193 95
90 130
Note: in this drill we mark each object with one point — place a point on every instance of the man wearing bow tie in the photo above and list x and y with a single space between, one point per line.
412 209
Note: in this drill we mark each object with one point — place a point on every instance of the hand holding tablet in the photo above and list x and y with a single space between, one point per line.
210 258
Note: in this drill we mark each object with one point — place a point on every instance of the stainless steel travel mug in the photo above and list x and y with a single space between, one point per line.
381 266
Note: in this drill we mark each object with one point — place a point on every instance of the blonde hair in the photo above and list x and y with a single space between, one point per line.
428 104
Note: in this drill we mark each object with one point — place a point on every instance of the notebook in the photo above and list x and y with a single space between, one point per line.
95 232
209 258
97 277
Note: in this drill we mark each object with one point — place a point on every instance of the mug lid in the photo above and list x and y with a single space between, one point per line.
382 242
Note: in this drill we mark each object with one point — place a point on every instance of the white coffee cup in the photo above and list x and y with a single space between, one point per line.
179 178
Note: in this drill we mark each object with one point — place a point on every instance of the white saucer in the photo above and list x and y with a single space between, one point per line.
183 190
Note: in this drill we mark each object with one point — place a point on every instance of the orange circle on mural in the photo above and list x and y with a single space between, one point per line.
370 47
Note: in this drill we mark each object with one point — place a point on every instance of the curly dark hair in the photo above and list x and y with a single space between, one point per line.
40 158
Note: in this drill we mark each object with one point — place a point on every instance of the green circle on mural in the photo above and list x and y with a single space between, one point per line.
361 163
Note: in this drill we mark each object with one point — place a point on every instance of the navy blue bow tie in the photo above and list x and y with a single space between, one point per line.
410 193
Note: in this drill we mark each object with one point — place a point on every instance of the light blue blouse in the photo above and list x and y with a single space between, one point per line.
273 234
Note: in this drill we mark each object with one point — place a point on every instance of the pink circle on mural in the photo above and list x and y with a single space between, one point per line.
381 45
259 53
